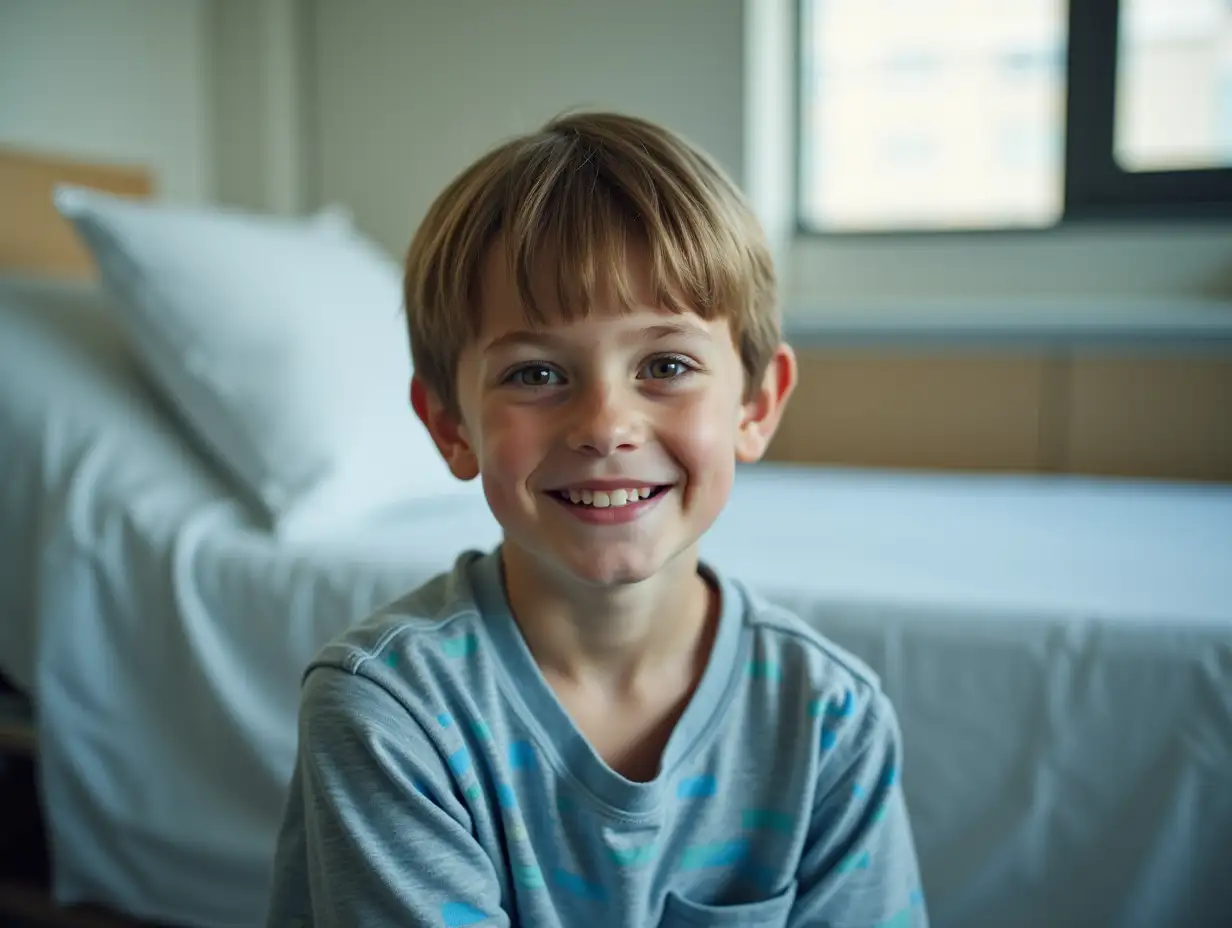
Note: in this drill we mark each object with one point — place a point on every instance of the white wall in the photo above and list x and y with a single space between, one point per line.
409 91
260 149
112 80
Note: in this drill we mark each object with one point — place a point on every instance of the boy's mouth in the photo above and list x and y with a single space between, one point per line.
608 499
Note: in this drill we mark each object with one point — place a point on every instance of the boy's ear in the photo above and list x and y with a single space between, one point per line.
447 431
761 412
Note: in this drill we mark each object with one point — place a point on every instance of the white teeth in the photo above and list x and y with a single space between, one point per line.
605 499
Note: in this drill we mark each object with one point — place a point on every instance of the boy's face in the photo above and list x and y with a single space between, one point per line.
569 426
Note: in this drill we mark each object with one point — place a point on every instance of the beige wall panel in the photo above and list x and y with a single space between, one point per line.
915 410
1151 417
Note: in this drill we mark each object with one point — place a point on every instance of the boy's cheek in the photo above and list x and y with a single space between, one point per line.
708 426
511 449
500 497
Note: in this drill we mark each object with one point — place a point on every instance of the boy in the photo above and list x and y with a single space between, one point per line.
587 726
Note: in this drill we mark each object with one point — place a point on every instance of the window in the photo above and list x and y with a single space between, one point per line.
1170 51
929 115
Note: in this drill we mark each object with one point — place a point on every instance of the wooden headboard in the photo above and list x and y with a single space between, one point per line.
34 238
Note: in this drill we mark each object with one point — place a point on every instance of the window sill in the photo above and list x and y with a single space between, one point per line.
1186 324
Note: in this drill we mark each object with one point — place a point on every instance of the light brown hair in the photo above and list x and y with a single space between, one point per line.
573 194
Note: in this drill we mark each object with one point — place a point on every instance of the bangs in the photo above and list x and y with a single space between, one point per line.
574 211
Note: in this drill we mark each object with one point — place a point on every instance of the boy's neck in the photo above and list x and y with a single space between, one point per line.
615 637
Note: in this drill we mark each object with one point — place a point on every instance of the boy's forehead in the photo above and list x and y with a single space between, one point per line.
502 308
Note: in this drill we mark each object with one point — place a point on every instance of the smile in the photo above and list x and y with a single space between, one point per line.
602 499
609 507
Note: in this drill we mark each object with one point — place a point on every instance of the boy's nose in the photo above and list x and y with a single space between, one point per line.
603 423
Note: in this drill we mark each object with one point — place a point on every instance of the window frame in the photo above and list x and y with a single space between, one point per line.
1095 188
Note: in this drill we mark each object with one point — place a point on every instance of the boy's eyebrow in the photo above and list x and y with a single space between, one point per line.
545 338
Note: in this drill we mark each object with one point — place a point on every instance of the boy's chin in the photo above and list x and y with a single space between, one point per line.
600 568
611 575
616 568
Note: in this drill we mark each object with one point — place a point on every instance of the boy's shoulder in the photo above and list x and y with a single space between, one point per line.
784 645
440 615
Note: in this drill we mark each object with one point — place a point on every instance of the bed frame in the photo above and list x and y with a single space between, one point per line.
35 241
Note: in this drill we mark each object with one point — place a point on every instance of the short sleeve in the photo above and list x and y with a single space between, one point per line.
373 835
859 866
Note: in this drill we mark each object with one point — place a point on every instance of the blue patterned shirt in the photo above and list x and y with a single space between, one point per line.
440 782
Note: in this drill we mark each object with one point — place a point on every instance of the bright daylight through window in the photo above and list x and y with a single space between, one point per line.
933 115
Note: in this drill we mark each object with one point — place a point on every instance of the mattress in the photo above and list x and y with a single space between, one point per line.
1059 649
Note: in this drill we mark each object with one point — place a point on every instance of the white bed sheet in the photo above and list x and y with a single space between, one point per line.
1060 651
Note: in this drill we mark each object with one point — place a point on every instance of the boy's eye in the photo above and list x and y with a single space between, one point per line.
668 368
535 375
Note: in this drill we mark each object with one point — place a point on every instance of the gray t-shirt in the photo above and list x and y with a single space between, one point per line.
440 783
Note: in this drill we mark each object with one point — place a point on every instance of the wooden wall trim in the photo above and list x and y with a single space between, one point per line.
1047 411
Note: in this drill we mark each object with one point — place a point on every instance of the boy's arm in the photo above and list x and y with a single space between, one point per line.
859 867
373 833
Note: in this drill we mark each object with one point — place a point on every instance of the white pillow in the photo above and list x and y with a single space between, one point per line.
282 344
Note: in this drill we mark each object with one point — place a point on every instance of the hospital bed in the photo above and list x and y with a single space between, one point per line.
1059 648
